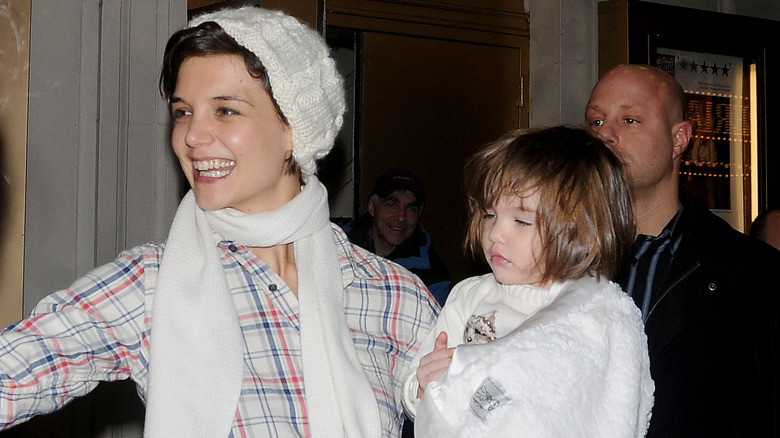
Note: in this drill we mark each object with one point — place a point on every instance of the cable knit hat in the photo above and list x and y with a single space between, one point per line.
303 76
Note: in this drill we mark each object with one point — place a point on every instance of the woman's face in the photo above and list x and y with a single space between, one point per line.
228 138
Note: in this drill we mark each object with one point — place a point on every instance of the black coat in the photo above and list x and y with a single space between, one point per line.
713 334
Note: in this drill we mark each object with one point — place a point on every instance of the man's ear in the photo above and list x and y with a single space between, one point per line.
371 208
682 136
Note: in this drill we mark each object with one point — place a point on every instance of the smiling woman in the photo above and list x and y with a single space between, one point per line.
266 319
231 143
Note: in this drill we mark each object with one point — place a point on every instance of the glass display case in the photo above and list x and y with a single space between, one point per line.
725 63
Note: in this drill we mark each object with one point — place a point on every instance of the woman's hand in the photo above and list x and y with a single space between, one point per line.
433 364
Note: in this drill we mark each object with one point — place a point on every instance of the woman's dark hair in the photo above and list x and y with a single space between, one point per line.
209 39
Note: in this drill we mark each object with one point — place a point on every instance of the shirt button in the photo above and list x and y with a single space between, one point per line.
232 247
712 287
634 261
272 287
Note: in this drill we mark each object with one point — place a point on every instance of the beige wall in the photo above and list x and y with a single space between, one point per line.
14 63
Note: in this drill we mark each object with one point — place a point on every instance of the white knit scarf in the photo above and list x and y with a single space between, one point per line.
196 360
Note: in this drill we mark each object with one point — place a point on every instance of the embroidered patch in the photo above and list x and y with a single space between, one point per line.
480 329
488 396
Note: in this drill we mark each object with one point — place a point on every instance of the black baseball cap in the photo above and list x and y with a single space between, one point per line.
399 179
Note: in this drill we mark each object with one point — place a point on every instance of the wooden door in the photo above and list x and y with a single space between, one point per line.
431 86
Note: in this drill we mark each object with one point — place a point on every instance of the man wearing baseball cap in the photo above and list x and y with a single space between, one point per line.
391 229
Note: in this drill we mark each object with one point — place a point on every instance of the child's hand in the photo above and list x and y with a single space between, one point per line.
433 364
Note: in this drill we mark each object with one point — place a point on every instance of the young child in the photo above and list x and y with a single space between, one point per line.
548 345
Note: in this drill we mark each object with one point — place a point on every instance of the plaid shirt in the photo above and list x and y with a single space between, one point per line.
99 329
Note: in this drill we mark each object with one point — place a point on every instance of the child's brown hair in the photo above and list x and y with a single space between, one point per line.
585 217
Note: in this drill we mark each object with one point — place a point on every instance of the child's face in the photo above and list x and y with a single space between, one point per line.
510 240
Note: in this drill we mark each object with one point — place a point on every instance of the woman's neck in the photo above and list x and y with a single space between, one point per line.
281 260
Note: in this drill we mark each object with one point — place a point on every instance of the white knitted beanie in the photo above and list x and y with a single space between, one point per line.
303 76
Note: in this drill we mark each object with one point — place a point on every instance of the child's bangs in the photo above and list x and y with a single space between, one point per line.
509 181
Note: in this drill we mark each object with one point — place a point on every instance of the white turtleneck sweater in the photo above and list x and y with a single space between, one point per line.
568 361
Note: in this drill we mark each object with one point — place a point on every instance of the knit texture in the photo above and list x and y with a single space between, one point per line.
196 359
303 76
577 368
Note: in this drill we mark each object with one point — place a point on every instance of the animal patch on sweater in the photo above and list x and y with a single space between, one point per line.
480 329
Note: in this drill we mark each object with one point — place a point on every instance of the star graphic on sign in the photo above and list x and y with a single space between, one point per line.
704 68
693 66
715 68
683 64
725 70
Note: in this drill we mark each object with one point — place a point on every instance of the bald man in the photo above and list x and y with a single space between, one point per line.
708 293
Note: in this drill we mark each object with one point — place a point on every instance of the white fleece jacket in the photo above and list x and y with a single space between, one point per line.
577 367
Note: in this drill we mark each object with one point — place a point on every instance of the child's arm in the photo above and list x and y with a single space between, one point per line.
433 364
430 362
433 356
